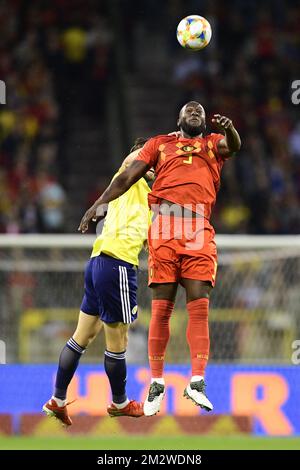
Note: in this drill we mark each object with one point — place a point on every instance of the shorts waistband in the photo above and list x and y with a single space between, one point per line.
117 260
177 210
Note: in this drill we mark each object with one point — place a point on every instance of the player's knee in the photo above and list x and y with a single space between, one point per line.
116 337
122 340
123 336
116 346
125 340
205 293
84 339
91 338
202 293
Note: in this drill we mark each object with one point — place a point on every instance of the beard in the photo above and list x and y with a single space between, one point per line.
191 130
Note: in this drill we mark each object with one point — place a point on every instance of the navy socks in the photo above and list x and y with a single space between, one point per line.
115 368
68 363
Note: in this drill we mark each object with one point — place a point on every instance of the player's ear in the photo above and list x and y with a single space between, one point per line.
178 122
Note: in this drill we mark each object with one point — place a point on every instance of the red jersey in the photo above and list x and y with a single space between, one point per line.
187 170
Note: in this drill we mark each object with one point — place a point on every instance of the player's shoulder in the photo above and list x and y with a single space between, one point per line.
130 158
213 136
163 138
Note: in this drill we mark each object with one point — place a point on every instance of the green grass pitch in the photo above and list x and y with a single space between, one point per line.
150 443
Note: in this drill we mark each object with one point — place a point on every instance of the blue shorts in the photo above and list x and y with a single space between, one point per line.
110 287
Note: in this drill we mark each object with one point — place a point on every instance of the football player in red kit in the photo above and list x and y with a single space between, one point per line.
182 249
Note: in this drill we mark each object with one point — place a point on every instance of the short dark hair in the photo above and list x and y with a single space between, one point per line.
138 143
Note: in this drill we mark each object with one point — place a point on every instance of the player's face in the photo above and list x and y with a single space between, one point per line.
192 119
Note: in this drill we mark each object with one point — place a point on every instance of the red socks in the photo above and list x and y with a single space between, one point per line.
197 334
159 333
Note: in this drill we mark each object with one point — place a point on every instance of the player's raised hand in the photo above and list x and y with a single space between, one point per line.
95 213
222 122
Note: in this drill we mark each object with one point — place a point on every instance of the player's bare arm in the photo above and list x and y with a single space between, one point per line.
232 141
117 187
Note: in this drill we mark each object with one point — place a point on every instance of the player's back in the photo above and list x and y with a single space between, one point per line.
126 225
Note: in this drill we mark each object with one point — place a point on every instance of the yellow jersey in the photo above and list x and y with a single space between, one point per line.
126 225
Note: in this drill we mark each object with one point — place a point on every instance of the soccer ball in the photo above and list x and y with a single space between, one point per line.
194 32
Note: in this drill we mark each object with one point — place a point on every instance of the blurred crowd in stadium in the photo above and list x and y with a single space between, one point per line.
48 53
50 50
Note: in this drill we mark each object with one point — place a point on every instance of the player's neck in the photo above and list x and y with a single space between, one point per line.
187 136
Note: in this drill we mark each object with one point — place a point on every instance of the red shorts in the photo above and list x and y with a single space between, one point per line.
181 248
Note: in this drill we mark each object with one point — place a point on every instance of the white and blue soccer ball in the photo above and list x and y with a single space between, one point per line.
194 32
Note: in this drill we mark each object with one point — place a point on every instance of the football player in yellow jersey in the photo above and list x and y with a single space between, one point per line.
110 298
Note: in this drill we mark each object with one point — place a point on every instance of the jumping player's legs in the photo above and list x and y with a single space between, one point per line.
163 299
197 334
89 325
171 261
87 329
116 335
115 284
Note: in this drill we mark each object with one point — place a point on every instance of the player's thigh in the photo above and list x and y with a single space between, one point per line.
116 336
115 284
196 289
87 329
163 260
90 303
198 270
164 291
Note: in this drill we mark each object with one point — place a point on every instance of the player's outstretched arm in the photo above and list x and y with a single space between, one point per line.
232 141
117 187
